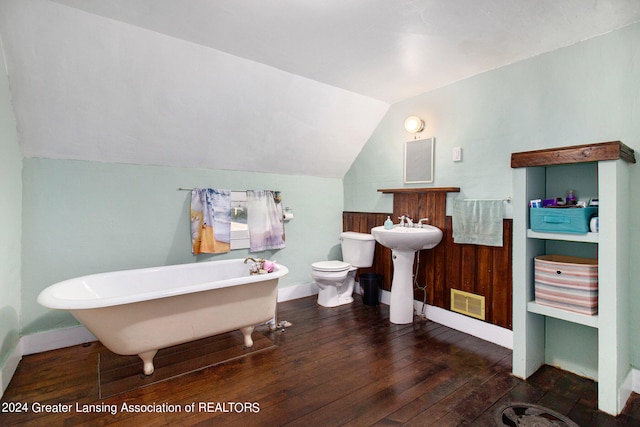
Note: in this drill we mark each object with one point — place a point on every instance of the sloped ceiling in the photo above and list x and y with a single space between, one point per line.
286 86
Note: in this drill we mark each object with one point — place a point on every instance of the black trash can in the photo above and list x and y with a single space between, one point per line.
371 284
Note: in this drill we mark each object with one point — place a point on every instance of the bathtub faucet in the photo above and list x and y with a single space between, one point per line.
257 265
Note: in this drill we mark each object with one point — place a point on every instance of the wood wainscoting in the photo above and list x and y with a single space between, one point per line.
481 270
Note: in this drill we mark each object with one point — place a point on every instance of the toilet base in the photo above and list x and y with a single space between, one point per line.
334 302
334 294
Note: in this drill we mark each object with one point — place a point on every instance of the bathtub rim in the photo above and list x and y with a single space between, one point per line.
49 297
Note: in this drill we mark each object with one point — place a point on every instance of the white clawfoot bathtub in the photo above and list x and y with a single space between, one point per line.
141 311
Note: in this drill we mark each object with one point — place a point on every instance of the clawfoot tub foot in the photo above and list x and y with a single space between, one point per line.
147 360
246 332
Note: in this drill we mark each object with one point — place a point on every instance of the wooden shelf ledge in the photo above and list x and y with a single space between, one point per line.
613 150
420 190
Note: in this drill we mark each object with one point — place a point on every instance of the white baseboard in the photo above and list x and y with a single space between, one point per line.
6 373
297 291
483 330
625 389
55 339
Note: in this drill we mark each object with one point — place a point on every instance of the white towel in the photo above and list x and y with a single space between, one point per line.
264 218
477 222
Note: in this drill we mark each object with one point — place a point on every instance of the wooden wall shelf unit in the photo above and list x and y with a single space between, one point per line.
533 323
613 150
420 190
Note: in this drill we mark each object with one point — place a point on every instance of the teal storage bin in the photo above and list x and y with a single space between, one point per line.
561 220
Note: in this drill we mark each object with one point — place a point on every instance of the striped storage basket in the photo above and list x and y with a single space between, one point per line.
567 282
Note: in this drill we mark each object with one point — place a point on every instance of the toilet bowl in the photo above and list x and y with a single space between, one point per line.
336 279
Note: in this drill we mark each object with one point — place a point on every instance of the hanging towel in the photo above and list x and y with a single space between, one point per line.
477 222
210 221
264 218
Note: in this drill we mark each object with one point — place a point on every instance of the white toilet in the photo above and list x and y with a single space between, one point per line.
336 279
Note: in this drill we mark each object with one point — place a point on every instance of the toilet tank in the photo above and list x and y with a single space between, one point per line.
357 248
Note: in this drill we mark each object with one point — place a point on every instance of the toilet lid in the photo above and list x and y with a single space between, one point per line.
330 266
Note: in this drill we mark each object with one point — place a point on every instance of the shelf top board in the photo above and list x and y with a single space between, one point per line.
613 150
421 190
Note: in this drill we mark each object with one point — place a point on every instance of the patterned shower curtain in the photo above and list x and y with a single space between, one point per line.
210 220
266 225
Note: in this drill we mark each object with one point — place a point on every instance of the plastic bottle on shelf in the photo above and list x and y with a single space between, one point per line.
571 198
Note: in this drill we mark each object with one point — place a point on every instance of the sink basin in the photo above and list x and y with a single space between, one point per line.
408 238
404 242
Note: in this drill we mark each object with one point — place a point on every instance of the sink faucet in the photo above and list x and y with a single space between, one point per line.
423 220
405 221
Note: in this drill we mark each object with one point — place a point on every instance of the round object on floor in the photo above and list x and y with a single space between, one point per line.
527 415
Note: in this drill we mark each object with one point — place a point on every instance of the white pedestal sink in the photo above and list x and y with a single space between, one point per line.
404 242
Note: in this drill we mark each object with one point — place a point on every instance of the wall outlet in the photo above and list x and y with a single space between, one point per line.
457 154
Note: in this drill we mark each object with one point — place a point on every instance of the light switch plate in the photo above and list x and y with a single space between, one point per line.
457 154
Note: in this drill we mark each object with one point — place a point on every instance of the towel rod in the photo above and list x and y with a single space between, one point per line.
190 189
232 191
506 199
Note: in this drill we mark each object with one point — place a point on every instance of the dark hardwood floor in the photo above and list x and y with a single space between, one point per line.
342 366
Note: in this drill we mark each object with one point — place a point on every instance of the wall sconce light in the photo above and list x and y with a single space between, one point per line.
414 124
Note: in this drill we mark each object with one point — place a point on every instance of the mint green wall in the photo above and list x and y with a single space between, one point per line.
86 217
10 222
585 93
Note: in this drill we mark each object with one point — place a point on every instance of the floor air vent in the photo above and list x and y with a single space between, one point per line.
467 303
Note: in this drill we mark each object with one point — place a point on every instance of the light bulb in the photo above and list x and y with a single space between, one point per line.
414 124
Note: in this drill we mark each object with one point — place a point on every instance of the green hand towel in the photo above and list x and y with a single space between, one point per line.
477 222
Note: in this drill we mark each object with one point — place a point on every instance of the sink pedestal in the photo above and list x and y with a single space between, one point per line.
401 304
404 242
